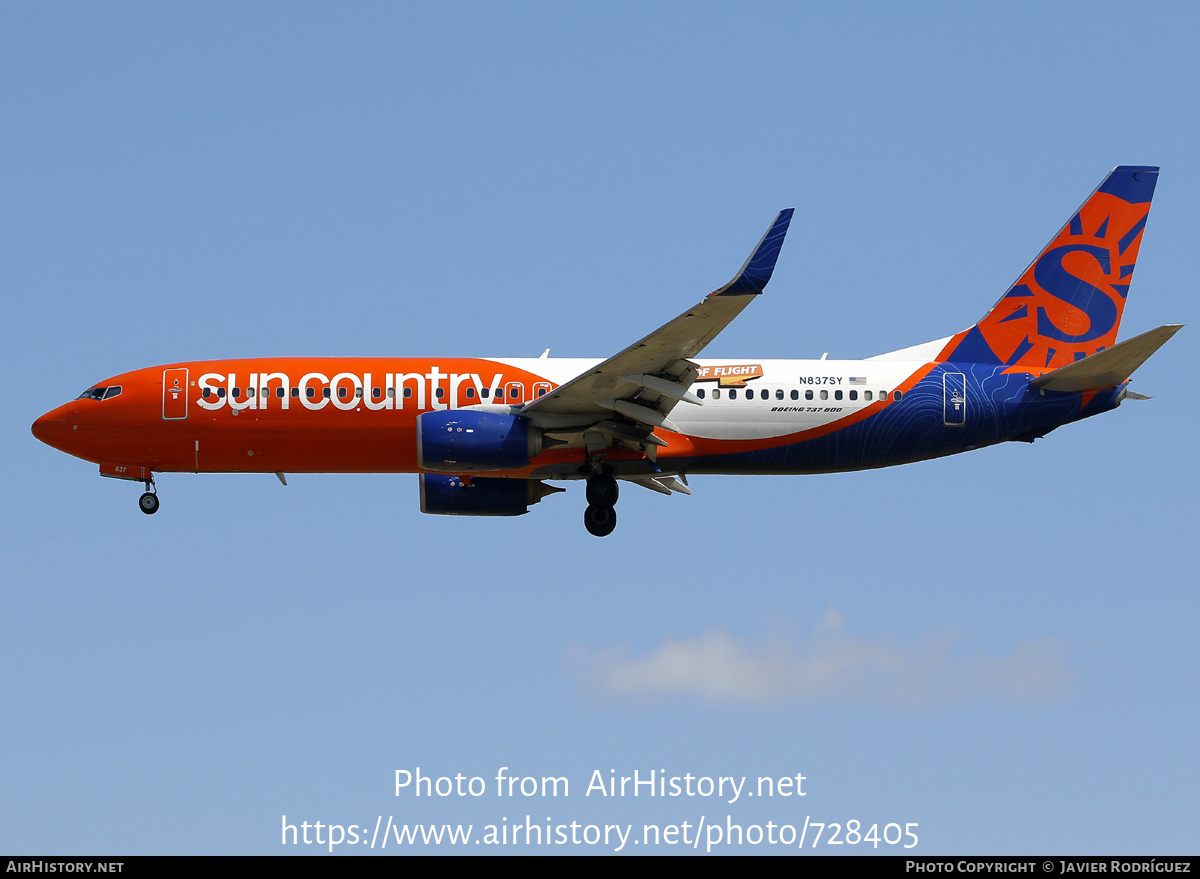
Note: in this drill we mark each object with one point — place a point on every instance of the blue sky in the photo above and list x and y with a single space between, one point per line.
998 646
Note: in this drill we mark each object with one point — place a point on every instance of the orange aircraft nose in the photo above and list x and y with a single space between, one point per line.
52 428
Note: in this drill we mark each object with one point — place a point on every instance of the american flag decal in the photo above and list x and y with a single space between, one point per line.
858 379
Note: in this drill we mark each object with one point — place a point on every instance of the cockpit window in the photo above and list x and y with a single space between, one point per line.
100 393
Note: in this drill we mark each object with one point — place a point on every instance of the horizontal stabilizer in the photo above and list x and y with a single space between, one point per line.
1107 368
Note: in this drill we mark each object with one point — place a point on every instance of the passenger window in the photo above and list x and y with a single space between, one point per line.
837 395
824 395
485 393
808 395
441 392
279 393
376 393
795 395
341 393
295 392
206 393
733 393
391 392
867 395
700 394
325 393
310 392
716 393
779 393
897 395
249 392
358 392
512 392
764 393
470 393
408 392
237 392
221 393
854 395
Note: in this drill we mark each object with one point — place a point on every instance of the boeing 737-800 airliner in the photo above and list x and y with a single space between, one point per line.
485 434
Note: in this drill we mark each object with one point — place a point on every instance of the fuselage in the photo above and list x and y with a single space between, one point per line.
359 415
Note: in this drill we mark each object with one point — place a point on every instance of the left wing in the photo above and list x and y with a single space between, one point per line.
627 396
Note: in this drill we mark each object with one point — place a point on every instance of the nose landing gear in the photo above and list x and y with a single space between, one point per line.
148 502
600 517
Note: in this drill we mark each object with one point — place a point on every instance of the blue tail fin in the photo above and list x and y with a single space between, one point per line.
1068 303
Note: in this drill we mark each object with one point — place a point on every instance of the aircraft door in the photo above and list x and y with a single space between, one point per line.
540 389
513 398
175 394
954 396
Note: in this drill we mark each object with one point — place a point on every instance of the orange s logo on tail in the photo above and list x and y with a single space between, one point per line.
1068 303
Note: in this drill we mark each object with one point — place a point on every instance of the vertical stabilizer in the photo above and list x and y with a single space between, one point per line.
1068 304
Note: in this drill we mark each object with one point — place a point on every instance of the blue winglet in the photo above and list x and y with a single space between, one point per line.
757 270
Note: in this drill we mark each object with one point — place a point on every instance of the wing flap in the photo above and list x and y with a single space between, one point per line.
662 484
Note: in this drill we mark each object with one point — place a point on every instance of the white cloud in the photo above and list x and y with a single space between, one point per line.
831 666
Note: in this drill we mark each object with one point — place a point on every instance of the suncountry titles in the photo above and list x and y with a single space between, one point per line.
347 390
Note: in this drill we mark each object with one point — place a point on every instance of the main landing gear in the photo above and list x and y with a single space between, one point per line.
148 502
600 517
